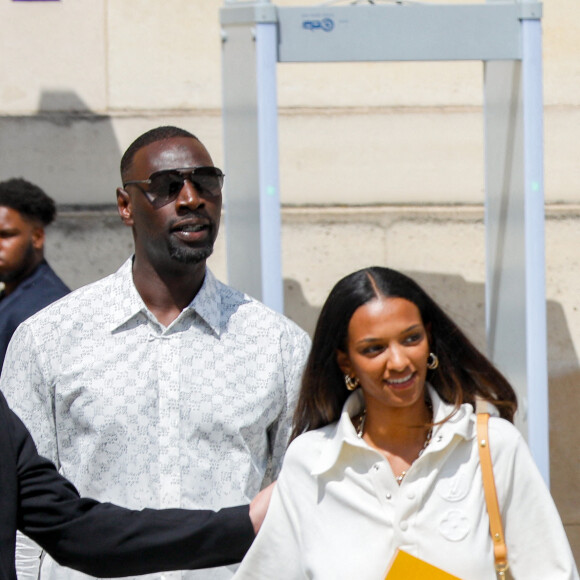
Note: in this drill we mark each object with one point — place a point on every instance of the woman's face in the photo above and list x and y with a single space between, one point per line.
387 350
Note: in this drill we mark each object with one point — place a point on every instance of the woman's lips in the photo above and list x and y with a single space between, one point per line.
401 382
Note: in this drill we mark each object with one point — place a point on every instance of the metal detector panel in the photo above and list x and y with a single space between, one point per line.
417 32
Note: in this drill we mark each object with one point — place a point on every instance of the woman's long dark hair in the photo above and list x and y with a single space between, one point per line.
463 372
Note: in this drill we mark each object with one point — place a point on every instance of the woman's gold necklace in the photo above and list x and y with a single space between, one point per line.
398 478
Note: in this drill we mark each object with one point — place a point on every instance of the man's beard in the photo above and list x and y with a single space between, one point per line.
23 267
187 255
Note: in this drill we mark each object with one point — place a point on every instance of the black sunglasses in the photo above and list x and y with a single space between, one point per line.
165 185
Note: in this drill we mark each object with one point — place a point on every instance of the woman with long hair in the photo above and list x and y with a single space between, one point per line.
385 456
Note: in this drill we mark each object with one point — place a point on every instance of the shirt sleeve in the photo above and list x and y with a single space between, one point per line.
122 542
28 558
535 537
22 382
29 391
295 347
276 551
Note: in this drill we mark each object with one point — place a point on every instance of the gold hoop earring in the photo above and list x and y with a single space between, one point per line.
352 383
432 361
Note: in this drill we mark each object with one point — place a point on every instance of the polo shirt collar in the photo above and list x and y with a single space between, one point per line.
341 434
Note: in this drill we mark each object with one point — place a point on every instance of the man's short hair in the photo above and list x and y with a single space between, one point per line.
151 136
27 199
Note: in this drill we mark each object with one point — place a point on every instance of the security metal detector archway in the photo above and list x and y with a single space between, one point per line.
506 36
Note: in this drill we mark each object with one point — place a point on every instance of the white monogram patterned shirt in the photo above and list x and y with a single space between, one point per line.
195 415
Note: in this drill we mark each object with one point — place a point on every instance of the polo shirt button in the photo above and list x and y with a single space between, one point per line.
404 526
388 495
411 495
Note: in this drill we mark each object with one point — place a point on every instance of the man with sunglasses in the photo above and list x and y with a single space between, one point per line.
159 386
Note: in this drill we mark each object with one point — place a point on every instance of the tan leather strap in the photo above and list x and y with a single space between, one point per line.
495 524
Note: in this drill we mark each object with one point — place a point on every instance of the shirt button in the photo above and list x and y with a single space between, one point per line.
376 467
388 495
404 526
411 495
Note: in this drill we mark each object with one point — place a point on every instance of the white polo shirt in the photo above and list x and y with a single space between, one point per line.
338 513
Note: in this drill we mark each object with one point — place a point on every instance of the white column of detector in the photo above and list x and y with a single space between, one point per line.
270 222
536 342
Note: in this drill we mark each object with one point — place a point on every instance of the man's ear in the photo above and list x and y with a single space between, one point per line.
343 361
124 206
38 238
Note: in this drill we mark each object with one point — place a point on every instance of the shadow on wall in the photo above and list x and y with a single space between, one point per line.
465 303
84 246
68 150
564 400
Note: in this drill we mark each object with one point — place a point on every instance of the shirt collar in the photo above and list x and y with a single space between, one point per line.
460 423
208 302
128 303
343 433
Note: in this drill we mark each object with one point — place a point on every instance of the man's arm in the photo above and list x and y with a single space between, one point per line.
122 542
295 347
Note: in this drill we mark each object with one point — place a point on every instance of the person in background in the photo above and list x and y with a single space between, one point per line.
105 539
386 454
29 283
159 386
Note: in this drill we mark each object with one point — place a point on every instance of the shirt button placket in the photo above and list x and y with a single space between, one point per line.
169 421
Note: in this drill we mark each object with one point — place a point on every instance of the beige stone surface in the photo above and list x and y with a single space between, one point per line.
377 84
164 55
561 162
390 156
561 53
52 56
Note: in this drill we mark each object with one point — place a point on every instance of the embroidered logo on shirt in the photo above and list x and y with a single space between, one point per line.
454 488
454 526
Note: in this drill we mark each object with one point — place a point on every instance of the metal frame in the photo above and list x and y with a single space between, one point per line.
506 37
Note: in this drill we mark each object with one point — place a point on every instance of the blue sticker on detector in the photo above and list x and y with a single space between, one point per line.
326 24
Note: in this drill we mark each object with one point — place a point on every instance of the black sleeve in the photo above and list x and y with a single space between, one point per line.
106 540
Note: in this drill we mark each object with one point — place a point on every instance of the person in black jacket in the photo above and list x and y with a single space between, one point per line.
103 539
30 283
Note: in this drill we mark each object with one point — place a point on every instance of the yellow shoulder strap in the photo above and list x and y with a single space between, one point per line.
495 523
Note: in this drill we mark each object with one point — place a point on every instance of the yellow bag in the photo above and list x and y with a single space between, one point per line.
406 567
